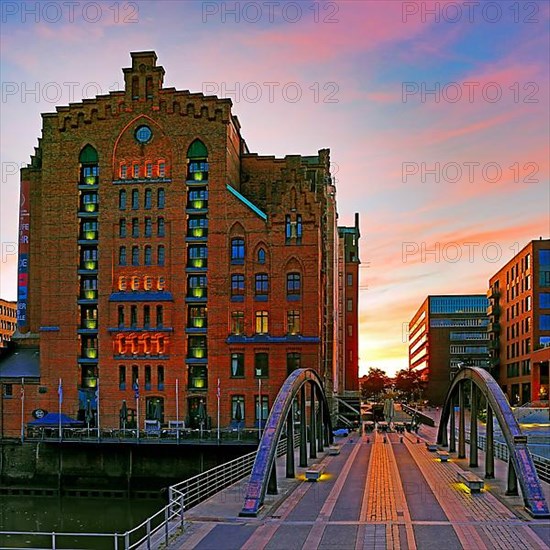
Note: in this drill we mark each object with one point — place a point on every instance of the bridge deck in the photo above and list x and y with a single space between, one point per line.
374 495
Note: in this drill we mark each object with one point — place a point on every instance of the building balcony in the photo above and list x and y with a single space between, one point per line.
88 265
89 353
194 264
493 310
197 292
197 322
88 235
89 208
90 324
88 294
493 326
494 344
88 383
493 293
197 353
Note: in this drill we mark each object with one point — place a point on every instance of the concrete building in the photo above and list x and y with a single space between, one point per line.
445 333
519 328
162 264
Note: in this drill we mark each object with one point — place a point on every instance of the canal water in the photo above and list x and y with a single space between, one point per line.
71 515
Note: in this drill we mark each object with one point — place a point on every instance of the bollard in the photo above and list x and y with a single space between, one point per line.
401 439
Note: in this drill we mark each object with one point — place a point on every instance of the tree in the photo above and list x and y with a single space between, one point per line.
374 383
410 383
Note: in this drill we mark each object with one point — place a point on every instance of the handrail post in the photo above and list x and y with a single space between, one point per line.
181 510
126 540
166 517
148 527
53 540
116 541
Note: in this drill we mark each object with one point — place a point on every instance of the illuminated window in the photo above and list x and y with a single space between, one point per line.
162 169
135 282
123 171
149 170
262 322
148 283
237 322
136 171
293 322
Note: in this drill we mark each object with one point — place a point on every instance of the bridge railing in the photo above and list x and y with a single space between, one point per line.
542 464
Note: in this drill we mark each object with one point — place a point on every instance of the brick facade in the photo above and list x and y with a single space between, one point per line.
131 276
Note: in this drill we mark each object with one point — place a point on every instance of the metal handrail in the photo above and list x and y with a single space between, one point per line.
160 526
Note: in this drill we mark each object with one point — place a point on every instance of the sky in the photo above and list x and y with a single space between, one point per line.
436 115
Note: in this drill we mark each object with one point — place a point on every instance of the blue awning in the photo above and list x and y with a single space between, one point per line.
21 363
52 419
133 296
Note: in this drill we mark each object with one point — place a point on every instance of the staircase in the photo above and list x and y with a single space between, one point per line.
349 410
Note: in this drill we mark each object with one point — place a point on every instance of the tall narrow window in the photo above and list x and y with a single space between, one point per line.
123 172
133 316
237 408
121 377
161 198
237 365
149 170
237 322
160 255
122 255
149 87
293 362
261 284
237 285
237 250
160 317
121 316
135 227
288 229
160 227
135 255
148 199
263 412
122 228
162 169
135 199
122 199
135 375
147 255
293 322
261 256
160 378
298 229
293 284
148 232
261 365
135 87
147 377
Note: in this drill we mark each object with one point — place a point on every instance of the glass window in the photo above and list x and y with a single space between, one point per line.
121 377
458 304
160 378
350 304
123 171
298 229
147 377
544 298
262 322
293 361
237 322
293 322
161 198
121 316
237 250
237 284
261 284
146 316
160 316
135 255
288 229
135 375
262 413
148 227
237 408
293 284
122 199
350 279
148 202
162 169
149 170
133 316
122 228
160 255
136 171
122 255
148 255
160 227
135 199
261 365
544 322
261 256
237 365
135 227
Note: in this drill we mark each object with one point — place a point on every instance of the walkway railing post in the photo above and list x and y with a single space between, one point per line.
489 446
512 485
320 422
461 423
452 429
272 483
303 428
312 425
473 425
290 472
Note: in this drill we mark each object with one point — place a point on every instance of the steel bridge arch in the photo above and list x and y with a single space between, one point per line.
264 468
521 466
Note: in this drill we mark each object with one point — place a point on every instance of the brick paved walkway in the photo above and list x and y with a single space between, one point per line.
382 492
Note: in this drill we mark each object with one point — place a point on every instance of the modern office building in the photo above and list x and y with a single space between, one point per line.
164 268
519 328
445 333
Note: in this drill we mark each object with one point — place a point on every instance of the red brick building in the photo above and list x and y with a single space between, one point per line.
161 260
519 312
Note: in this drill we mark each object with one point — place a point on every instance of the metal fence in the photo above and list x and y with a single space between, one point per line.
155 530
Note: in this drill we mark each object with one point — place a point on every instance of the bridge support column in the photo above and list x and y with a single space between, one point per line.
290 471
312 425
489 446
461 426
473 426
272 483
320 423
452 428
512 485
303 428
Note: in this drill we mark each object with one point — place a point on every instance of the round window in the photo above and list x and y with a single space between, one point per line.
144 134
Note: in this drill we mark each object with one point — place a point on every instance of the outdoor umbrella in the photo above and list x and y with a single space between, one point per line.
123 414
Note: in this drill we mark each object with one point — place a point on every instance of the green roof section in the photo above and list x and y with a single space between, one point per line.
197 150
244 200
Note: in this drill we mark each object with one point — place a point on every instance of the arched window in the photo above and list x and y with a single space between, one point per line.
135 199
261 256
122 228
160 227
122 199
161 198
148 255
160 255
197 159
148 199
135 255
122 255
89 169
135 87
